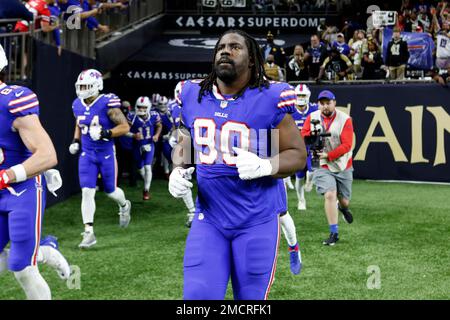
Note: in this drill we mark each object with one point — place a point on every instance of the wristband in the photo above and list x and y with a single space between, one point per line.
19 172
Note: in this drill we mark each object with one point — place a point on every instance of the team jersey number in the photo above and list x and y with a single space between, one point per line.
205 134
2 156
84 128
147 131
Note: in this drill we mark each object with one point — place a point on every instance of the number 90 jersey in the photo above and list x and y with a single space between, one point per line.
15 101
217 124
96 114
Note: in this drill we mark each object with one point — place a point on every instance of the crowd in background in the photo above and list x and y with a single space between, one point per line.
48 15
353 51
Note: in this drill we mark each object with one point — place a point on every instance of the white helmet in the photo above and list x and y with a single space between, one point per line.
162 104
303 93
3 59
143 106
155 98
89 84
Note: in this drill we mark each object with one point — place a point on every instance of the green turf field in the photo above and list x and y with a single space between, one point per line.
403 229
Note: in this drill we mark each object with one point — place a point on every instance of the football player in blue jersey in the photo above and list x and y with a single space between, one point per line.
232 115
303 109
26 151
145 129
167 124
98 120
173 138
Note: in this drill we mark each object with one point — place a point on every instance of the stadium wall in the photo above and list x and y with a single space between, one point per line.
53 81
401 131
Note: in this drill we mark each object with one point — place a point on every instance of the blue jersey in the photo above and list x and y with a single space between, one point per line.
145 126
300 116
217 124
166 121
342 47
93 115
15 101
176 115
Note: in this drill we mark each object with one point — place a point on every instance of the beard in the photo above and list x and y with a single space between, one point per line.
226 73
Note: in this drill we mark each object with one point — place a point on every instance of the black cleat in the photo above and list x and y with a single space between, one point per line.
346 215
331 241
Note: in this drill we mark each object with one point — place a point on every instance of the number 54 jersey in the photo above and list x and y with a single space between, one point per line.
217 124
95 114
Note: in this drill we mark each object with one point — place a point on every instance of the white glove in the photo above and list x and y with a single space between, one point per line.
95 132
146 148
179 183
54 180
166 137
173 141
250 166
74 148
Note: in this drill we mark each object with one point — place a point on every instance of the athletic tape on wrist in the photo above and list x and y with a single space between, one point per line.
19 172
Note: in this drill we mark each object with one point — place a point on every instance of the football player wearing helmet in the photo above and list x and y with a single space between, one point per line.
303 109
98 120
145 130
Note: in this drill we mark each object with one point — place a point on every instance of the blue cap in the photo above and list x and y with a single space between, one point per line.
326 94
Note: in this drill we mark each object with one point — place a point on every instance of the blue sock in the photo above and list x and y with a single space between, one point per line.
333 228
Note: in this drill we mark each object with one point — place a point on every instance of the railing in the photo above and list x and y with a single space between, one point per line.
17 47
81 40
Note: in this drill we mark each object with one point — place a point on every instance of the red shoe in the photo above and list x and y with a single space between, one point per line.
146 195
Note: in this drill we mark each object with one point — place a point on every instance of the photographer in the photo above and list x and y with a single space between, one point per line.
329 134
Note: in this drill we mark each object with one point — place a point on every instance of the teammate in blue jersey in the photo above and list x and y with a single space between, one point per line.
145 129
26 151
230 116
98 120
175 108
167 124
303 109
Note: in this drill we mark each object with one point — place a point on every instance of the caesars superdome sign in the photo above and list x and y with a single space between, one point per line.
208 22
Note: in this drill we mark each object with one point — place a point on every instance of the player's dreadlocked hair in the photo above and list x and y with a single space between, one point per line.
3 75
258 78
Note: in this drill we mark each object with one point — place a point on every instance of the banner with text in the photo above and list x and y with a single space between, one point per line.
252 23
401 131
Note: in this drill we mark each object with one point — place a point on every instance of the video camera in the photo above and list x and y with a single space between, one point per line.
316 142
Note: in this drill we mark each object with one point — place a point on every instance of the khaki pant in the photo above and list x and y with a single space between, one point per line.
397 73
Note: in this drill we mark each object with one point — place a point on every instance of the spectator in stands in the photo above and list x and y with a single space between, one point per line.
271 48
341 45
443 47
296 70
356 52
272 69
412 21
55 12
86 11
12 9
314 56
425 21
372 63
92 23
39 8
337 66
442 76
329 36
397 56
